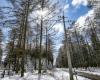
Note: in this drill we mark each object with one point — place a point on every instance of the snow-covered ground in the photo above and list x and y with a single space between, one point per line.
90 70
56 74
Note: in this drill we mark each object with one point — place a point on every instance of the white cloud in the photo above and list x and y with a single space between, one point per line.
81 20
43 13
66 6
58 27
79 2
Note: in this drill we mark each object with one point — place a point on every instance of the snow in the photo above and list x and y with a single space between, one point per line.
90 70
56 74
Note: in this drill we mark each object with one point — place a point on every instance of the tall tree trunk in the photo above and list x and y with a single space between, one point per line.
40 54
41 33
24 37
46 48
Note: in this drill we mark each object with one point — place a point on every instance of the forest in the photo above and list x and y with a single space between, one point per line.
46 40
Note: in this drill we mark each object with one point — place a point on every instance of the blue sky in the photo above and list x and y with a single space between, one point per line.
3 3
75 11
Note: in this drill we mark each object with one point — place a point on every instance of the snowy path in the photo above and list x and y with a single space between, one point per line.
56 74
89 75
86 74
64 75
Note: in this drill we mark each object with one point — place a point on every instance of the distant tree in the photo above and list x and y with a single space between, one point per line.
96 46
1 48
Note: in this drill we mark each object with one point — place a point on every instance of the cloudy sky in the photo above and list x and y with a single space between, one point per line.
74 9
